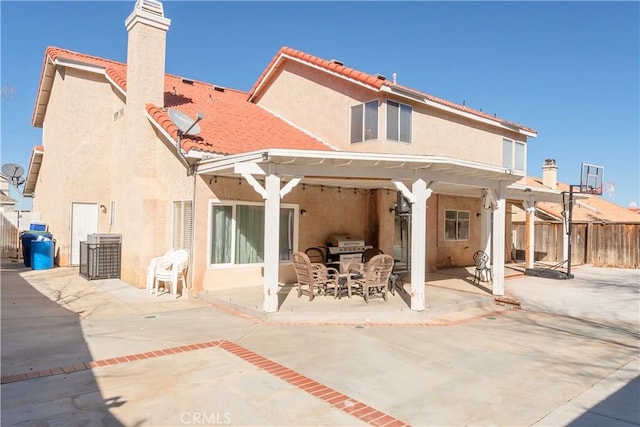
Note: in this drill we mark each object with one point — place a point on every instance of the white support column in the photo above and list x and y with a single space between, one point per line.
498 231
418 243
271 242
485 226
530 209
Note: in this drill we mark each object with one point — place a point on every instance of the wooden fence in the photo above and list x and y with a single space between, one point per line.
603 245
11 224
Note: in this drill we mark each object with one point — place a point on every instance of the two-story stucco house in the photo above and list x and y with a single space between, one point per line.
314 149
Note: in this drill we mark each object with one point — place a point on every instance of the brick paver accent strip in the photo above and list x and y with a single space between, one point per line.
332 397
83 366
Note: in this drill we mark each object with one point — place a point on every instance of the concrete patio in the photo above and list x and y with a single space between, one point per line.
447 291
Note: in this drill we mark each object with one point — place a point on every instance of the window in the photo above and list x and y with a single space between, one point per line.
399 122
514 155
237 233
456 225
182 224
364 121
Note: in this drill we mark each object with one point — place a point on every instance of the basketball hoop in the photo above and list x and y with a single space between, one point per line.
591 179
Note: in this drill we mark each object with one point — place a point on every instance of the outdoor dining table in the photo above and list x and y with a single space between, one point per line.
343 276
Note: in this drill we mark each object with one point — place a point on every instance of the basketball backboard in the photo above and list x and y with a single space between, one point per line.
591 179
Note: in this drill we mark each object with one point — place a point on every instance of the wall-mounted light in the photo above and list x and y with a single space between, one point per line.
103 208
303 212
478 214
392 209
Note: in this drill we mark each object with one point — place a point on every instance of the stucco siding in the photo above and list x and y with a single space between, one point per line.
77 136
457 253
321 103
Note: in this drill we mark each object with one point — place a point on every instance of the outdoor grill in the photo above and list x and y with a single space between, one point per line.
345 248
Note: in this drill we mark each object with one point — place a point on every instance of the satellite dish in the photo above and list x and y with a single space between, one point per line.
14 172
186 125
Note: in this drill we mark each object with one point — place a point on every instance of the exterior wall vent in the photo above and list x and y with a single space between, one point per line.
118 114
218 89
187 81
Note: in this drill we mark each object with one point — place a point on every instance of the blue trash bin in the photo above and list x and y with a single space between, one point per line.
26 237
42 254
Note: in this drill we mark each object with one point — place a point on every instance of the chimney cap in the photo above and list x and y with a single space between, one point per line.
550 162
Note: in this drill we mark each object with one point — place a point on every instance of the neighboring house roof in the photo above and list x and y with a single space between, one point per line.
378 83
231 125
6 200
587 208
4 191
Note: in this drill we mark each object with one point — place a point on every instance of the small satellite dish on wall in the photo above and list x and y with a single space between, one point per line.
14 171
185 124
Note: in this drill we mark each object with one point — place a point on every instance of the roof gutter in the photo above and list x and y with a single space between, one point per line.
420 98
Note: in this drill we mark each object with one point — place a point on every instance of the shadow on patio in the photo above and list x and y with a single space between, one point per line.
447 291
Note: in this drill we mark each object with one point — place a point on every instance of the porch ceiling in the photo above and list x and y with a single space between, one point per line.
354 170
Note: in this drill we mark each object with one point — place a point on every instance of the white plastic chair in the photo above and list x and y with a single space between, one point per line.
158 262
173 273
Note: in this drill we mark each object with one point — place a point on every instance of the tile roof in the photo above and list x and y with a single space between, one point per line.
231 125
6 200
372 81
591 209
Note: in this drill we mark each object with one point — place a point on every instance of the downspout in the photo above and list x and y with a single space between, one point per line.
193 169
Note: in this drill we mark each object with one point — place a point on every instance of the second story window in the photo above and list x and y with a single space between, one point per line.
364 121
514 155
399 122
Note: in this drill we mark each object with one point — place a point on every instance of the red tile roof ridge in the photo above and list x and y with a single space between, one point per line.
53 52
370 80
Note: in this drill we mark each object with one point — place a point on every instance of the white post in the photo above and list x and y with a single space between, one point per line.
485 226
498 240
530 209
271 242
418 243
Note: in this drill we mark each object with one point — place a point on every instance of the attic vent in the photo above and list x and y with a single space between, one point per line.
152 7
218 89
187 82
381 77
336 61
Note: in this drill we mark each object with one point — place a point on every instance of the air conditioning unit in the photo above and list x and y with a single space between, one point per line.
100 256
104 238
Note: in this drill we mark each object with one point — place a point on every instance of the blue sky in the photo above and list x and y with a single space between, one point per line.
570 70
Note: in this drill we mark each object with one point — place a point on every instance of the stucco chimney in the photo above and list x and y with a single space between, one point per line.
147 28
550 174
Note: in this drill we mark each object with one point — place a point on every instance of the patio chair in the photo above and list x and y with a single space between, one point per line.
156 263
316 254
483 270
370 253
314 275
174 272
372 278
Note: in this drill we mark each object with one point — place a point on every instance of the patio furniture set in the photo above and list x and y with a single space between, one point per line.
369 278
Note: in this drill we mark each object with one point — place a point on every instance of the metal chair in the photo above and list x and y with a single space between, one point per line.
483 270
